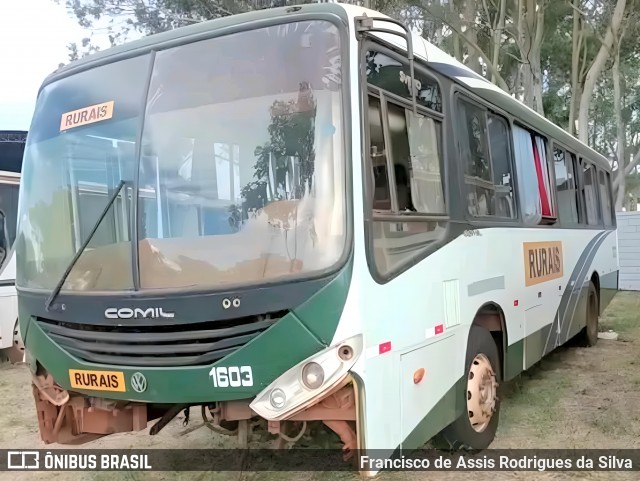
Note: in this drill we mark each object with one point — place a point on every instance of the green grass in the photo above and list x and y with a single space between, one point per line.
542 385
621 315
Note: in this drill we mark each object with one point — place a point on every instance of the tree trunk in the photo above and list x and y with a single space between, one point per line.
457 51
596 68
469 18
530 30
497 36
576 40
620 130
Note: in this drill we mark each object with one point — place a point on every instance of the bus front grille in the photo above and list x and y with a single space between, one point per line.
157 346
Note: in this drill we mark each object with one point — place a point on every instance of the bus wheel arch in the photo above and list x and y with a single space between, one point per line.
491 317
595 279
472 429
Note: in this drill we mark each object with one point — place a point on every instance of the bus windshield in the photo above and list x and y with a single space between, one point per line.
232 154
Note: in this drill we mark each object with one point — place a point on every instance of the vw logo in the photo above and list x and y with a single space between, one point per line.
138 382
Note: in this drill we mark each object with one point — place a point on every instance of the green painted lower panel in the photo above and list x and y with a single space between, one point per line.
608 289
446 410
292 339
513 360
321 314
534 345
192 384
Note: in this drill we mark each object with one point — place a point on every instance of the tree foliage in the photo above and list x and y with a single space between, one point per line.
557 56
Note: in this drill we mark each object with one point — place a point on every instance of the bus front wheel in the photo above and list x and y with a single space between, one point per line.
476 427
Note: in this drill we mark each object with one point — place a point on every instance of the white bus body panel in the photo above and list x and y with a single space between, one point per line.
446 290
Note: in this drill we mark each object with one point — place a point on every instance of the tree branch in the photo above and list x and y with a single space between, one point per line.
490 66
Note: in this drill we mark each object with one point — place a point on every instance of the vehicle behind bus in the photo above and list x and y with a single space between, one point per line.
11 151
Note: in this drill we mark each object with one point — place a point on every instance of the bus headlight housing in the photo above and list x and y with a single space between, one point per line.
307 380
312 375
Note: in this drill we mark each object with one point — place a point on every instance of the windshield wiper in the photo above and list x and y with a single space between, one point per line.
62 280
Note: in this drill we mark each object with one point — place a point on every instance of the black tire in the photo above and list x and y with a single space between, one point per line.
460 435
588 337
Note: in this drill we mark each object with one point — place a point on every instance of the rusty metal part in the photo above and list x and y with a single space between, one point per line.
234 410
336 409
284 441
244 431
347 436
50 390
482 389
297 437
216 424
337 405
274 427
72 418
105 419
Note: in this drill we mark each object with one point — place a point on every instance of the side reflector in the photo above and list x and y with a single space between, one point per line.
439 329
384 347
418 375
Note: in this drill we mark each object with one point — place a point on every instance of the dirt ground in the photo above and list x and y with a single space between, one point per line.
575 398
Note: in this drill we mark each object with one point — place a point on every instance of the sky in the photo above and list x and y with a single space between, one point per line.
34 35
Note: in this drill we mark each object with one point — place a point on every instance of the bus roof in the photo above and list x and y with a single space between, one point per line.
432 55
192 32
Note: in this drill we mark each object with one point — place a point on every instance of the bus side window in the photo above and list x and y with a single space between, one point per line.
566 187
545 179
580 202
535 180
378 158
605 198
406 169
488 166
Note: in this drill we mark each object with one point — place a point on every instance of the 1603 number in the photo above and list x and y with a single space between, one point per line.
232 376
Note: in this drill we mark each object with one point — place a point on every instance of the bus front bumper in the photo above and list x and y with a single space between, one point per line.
270 354
66 414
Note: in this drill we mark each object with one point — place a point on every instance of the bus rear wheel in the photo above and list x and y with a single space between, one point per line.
588 337
476 427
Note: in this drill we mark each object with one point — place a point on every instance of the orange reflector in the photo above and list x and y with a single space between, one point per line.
418 375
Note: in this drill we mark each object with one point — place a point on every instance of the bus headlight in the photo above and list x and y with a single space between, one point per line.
277 398
312 375
307 380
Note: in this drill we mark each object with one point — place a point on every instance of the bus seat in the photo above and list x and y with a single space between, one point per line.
402 188
381 200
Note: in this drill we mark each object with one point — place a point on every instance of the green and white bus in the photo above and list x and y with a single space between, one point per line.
299 214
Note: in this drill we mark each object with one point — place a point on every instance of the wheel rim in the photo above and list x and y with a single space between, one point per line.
482 390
